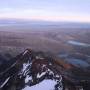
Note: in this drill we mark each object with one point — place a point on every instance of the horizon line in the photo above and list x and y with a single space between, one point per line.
43 20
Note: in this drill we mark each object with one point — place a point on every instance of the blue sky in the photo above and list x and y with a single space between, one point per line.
50 10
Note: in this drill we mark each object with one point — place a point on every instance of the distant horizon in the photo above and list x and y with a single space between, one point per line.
41 20
44 20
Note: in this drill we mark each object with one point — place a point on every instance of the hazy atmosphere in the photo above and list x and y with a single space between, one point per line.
50 10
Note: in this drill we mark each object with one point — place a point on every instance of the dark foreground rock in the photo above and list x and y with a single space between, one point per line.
31 69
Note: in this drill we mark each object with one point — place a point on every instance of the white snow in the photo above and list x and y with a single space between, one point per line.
24 70
57 76
28 78
5 82
25 52
43 66
44 85
40 75
43 73
50 72
25 65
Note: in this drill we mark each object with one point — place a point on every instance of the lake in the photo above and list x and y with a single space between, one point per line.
77 43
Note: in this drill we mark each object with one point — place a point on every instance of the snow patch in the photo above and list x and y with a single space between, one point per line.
25 65
5 82
28 78
50 72
25 68
43 66
40 75
44 85
25 52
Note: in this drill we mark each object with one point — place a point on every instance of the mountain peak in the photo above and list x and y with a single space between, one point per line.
32 69
28 69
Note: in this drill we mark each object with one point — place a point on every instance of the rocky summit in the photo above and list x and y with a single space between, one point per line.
30 71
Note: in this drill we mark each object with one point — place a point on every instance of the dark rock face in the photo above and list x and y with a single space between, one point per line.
32 69
28 69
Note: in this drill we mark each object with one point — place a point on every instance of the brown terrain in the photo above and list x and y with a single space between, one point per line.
49 40
72 61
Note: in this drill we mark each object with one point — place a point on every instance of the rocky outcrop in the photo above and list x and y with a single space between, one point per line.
30 70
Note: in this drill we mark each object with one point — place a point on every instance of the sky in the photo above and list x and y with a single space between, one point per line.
48 10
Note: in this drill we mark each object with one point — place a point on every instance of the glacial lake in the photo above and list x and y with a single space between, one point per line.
77 62
76 43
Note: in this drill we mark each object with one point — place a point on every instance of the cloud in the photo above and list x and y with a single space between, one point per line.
39 14
53 10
